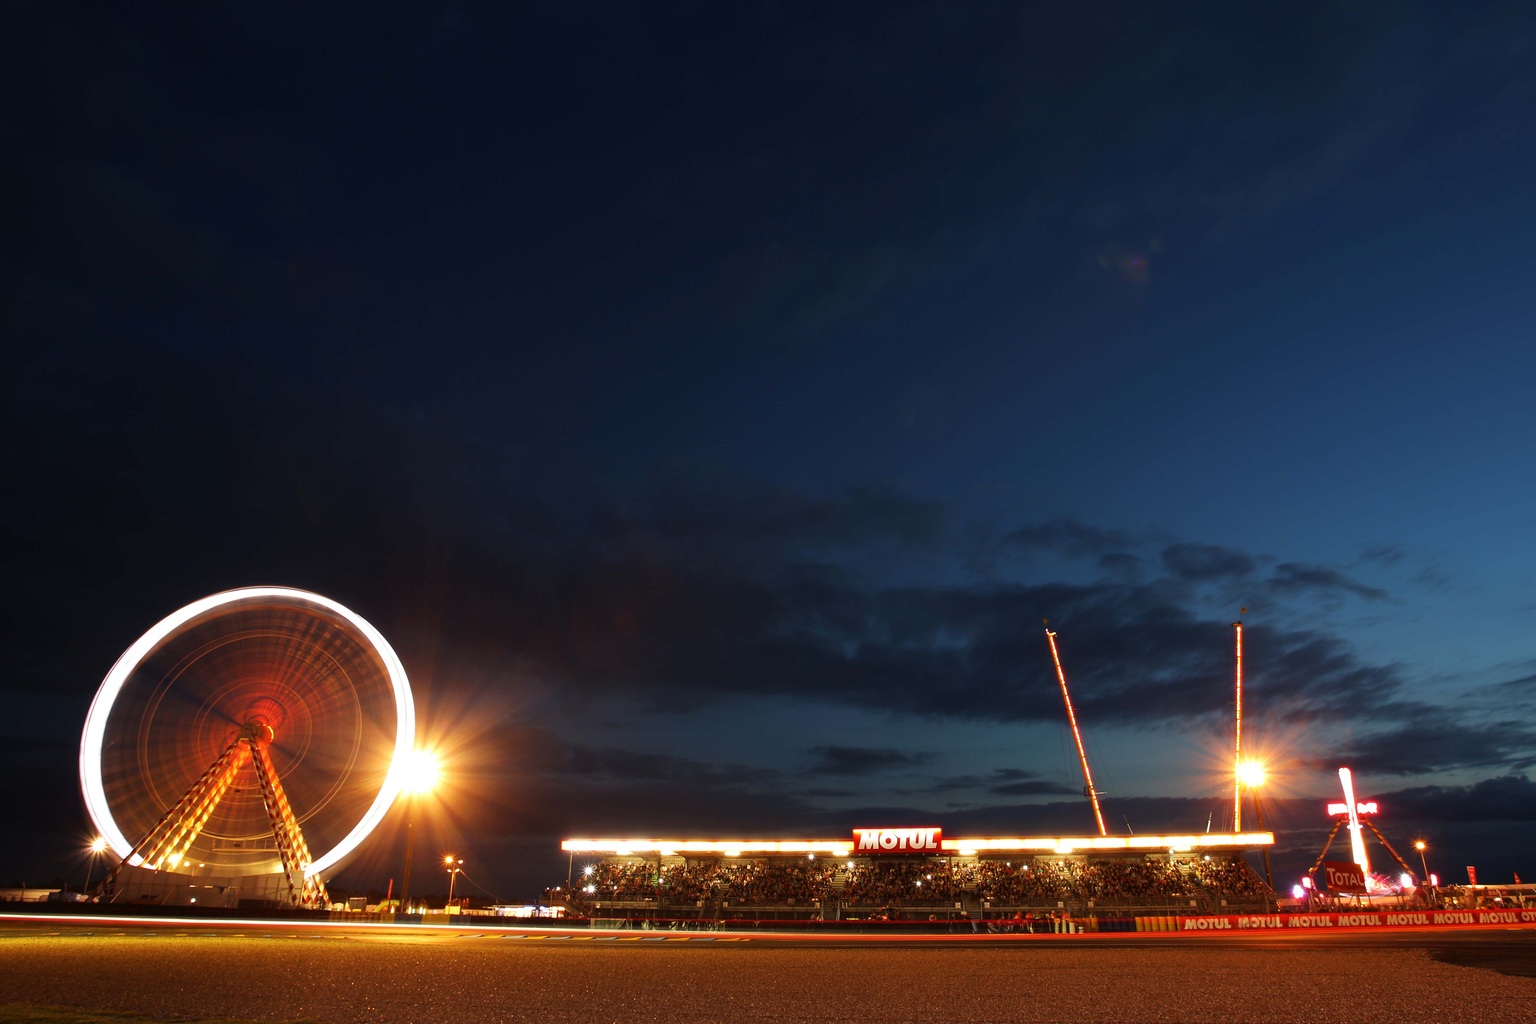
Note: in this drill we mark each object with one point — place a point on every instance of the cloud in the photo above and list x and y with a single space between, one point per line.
678 589
1292 579
1519 684
1499 799
1432 578
1070 538
832 760
695 508
1121 565
1005 782
1430 740
1038 787
538 750
1384 554
1202 562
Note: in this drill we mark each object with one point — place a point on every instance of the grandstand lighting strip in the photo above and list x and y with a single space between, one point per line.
729 847
961 847
1070 844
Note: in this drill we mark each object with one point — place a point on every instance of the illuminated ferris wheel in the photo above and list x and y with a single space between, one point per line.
243 732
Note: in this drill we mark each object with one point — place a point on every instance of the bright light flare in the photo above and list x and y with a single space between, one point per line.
422 772
99 844
1252 774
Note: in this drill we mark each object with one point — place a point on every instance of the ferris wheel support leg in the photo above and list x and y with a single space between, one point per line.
178 827
304 888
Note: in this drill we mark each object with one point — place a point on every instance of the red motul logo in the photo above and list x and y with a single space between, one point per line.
897 840
1343 876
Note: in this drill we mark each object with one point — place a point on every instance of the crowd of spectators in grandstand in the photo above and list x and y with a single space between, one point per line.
746 881
882 882
1229 877
1066 879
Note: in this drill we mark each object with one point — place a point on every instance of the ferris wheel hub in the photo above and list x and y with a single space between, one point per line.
259 733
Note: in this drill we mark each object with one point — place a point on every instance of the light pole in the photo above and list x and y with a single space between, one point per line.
455 868
1421 846
1252 775
410 843
420 776
97 846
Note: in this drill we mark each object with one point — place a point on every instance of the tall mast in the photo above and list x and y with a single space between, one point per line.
1237 742
1082 755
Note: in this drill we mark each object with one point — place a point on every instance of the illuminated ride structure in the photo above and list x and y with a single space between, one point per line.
236 740
1351 813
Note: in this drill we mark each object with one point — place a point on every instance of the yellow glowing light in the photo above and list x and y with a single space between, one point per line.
98 844
422 772
1418 844
968 846
1252 774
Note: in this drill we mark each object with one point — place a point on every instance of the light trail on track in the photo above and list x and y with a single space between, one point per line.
339 973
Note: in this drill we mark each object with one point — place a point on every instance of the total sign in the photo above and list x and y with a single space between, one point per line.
1342 876
897 840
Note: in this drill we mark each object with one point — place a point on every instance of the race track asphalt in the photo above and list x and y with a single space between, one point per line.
278 973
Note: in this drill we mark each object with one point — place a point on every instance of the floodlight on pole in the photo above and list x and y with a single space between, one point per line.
1421 846
1237 734
455 866
97 847
422 771
1252 775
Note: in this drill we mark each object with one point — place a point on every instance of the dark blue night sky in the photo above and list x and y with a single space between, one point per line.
709 402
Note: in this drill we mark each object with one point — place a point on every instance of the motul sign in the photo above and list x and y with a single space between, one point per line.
896 840
1343 876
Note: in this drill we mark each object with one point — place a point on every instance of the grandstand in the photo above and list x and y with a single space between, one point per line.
914 875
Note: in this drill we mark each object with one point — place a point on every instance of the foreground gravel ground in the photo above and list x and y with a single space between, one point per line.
491 979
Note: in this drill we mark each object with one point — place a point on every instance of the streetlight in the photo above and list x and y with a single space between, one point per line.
1421 846
1253 776
455 867
421 774
98 845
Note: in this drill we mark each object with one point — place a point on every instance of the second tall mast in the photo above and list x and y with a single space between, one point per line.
1082 754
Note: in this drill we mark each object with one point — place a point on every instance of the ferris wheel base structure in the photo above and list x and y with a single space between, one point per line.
140 886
